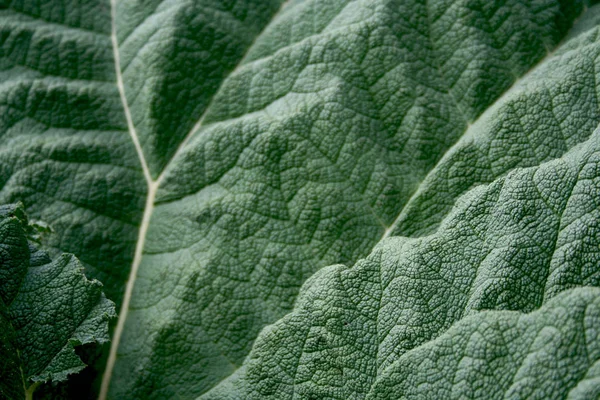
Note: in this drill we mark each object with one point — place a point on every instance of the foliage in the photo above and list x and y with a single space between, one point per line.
215 163
46 309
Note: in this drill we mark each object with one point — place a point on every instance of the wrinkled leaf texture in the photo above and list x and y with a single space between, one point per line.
47 307
206 158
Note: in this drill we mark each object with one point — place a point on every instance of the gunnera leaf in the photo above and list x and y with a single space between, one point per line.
47 307
204 159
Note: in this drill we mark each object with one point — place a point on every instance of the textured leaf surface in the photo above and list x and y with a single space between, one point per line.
307 154
46 309
174 55
555 107
511 245
64 148
224 151
552 353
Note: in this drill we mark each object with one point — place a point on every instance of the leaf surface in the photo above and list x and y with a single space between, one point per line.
46 309
204 159
307 154
418 318
552 353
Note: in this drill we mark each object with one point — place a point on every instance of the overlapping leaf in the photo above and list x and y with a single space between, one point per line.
46 309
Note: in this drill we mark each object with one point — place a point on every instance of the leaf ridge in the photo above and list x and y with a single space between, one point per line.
200 121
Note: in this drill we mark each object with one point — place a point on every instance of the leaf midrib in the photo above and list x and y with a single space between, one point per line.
152 186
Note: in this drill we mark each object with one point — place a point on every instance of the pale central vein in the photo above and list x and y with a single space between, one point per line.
148 208
151 195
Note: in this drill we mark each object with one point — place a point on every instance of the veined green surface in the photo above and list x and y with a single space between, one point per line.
512 245
204 158
46 309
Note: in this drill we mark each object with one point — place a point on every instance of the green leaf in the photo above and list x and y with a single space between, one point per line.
205 158
552 353
511 245
46 309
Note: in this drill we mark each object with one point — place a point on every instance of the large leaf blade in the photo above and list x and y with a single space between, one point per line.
305 156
